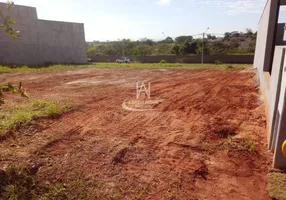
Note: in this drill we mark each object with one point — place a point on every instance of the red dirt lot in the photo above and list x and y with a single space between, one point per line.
207 140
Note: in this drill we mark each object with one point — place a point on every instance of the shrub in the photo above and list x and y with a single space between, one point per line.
163 61
17 182
217 62
9 87
229 67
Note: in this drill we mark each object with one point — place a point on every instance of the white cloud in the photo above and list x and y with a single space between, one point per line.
164 2
234 7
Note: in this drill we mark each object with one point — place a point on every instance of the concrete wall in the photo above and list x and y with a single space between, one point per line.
41 41
280 34
279 131
274 93
243 59
266 36
270 63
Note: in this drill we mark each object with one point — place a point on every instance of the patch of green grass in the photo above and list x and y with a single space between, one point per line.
20 182
56 191
76 187
229 67
17 183
250 146
12 117
244 145
11 69
277 186
171 65
239 144
24 68
163 61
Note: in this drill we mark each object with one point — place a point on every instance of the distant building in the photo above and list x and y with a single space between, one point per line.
41 41
270 64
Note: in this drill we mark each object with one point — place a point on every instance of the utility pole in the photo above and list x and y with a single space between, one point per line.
203 48
122 49
203 45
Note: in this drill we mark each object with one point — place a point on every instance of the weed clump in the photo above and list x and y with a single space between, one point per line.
217 62
17 182
20 182
14 117
243 145
277 185
229 67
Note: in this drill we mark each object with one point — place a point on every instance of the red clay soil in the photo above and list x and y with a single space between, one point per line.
207 140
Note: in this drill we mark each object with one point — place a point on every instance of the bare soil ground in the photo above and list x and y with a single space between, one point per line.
207 140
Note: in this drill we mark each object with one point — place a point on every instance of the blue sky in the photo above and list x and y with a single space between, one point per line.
135 19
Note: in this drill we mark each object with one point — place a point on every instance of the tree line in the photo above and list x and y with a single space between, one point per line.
230 43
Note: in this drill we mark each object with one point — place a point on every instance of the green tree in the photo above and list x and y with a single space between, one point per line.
142 50
8 22
250 35
176 49
193 47
168 40
163 49
211 37
227 35
229 44
251 47
182 39
187 48
146 41
234 43
128 46
109 50
206 47
235 34
218 48
183 50
249 32
100 48
91 51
